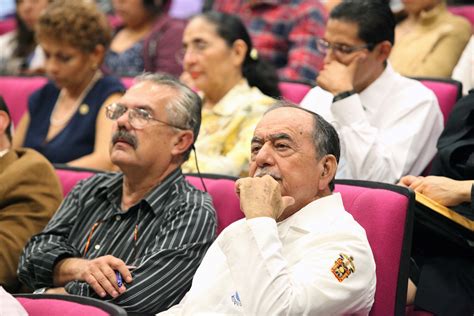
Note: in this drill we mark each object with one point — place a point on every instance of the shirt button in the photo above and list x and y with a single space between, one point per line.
118 217
97 247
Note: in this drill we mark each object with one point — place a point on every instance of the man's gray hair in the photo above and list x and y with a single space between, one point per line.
184 110
326 140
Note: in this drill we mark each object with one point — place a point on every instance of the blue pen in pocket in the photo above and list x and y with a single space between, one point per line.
119 279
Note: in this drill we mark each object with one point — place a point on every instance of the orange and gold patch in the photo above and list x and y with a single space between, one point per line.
343 267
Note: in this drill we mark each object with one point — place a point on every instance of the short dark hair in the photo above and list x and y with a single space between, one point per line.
326 140
4 108
184 110
374 17
258 72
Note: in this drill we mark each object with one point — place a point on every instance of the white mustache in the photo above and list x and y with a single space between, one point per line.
263 172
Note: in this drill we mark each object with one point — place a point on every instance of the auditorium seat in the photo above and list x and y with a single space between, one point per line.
447 91
294 91
386 213
16 91
221 188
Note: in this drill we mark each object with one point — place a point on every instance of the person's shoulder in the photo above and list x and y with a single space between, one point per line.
411 89
460 24
30 158
32 168
189 194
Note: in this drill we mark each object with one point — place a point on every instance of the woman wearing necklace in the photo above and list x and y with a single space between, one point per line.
66 118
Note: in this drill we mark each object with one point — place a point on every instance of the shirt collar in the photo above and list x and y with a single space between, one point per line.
377 90
4 152
314 216
155 199
232 101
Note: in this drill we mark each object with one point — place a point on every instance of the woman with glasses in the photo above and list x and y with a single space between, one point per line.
147 39
236 87
430 40
66 119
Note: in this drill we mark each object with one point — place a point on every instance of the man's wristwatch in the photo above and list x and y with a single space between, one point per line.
343 95
40 290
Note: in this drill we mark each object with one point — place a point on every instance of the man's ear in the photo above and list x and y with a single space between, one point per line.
183 141
4 122
384 49
328 171
239 51
97 56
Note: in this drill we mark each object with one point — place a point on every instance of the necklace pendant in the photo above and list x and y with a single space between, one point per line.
84 109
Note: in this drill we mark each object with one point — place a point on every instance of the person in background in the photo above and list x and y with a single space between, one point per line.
29 194
388 124
284 32
19 53
148 39
136 237
297 251
430 40
444 279
236 86
66 119
464 70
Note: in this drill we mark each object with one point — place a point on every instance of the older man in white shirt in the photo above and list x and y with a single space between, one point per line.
297 251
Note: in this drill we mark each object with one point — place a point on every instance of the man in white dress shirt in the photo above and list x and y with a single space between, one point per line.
297 251
388 124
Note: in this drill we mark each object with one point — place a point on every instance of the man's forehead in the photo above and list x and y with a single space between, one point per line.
147 93
340 30
285 120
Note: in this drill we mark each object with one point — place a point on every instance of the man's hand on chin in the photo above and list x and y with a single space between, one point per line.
261 197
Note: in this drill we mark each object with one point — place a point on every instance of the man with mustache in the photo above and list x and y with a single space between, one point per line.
134 238
297 251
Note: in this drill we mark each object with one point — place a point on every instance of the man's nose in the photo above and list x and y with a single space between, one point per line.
329 55
265 156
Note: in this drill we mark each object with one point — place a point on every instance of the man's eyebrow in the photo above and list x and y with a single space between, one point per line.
280 136
273 137
257 139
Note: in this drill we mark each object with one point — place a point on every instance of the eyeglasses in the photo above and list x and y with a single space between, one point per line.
196 48
138 118
341 49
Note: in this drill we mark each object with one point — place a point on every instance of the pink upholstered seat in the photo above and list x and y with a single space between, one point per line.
16 91
66 305
69 176
224 198
127 81
293 91
466 11
447 91
7 25
385 211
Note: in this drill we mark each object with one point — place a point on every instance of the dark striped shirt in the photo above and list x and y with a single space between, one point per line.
176 225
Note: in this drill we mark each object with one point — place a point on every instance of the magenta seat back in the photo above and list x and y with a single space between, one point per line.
466 11
385 211
52 307
69 176
447 91
66 305
16 91
294 91
7 25
127 81
224 198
